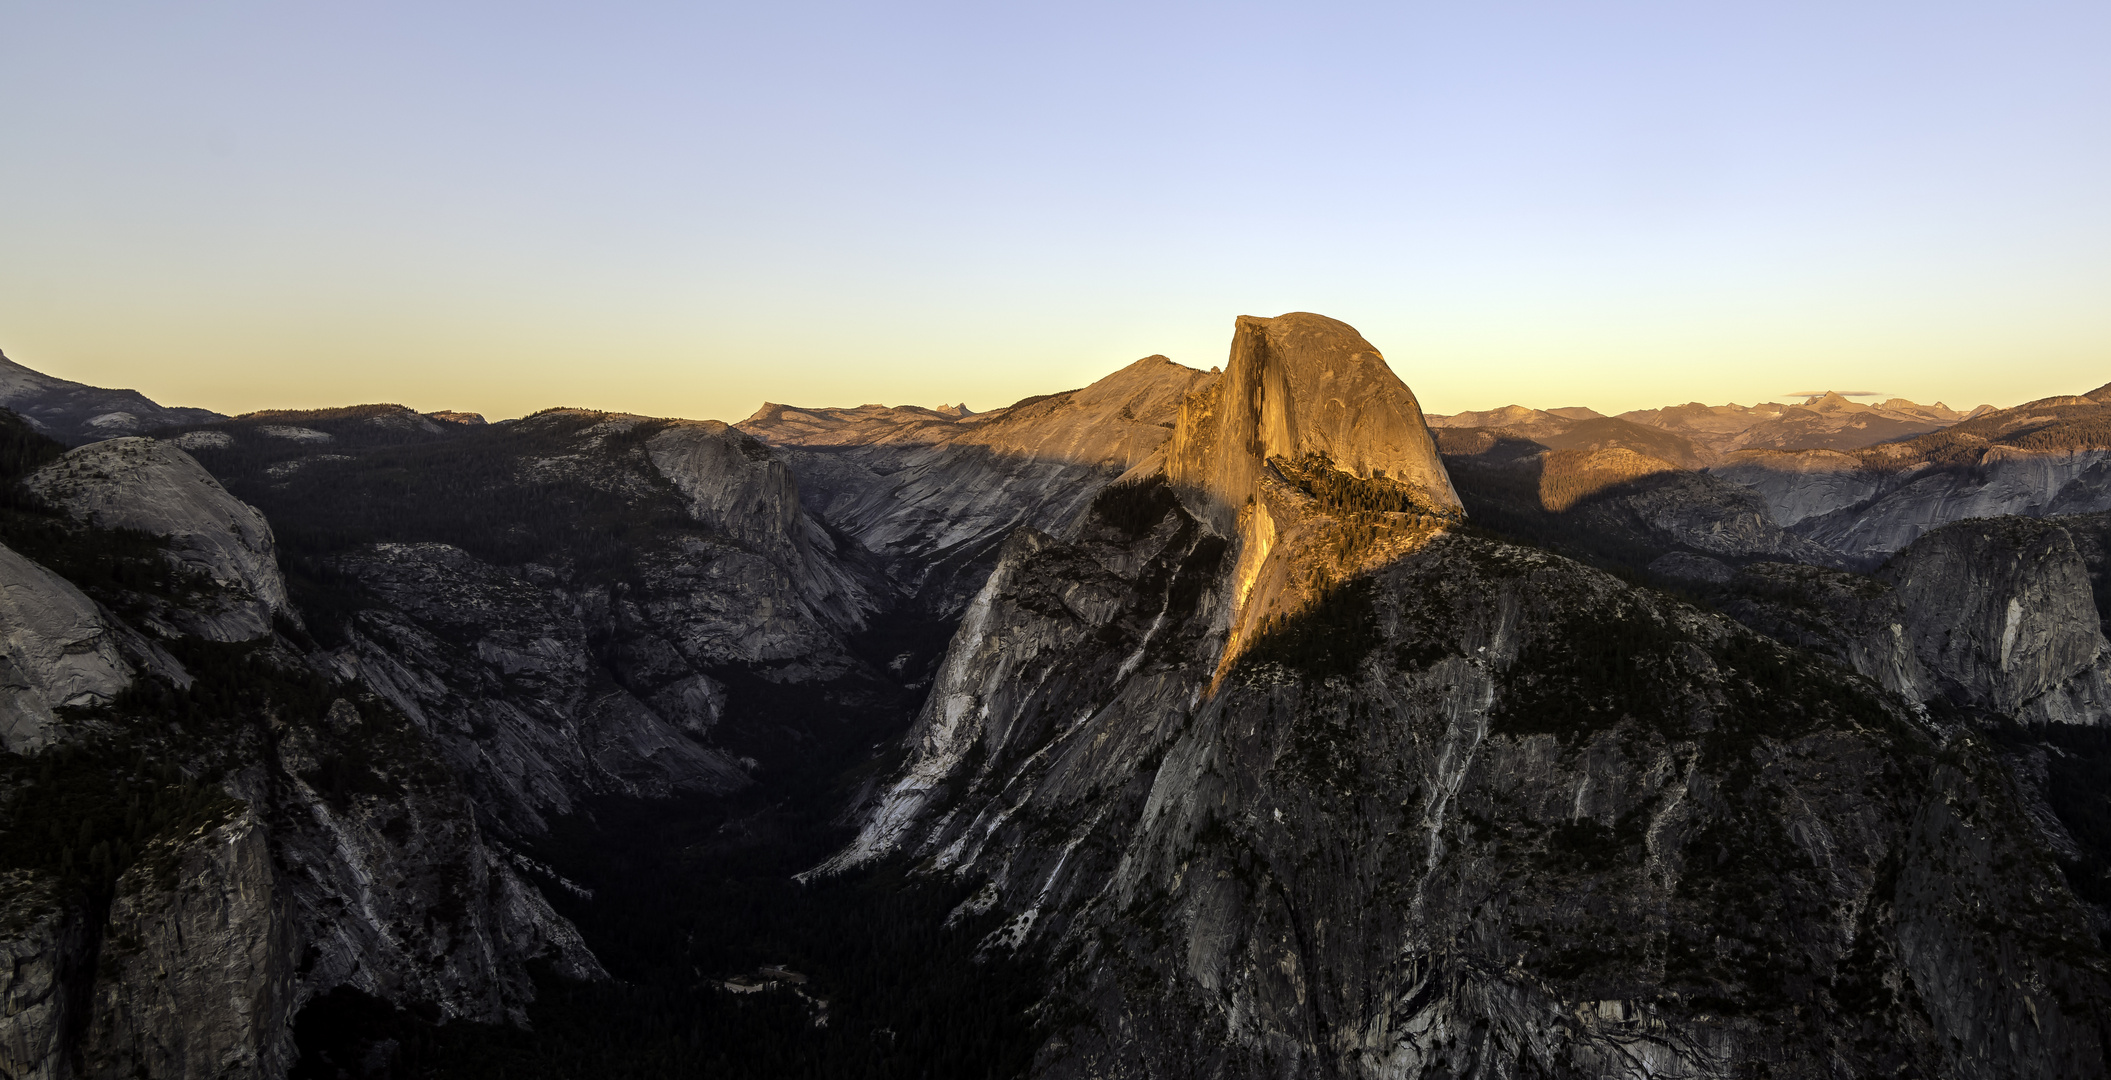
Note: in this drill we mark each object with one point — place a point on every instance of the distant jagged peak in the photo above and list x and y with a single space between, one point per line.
864 425
1508 416
958 410
1914 408
1835 401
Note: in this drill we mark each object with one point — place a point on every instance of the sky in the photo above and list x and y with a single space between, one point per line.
689 209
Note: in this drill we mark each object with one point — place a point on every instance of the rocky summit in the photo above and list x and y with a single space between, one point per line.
1227 723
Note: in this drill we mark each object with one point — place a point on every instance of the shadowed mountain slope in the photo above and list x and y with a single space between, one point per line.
934 494
2045 457
76 413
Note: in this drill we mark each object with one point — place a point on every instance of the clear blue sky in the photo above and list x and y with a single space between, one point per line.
689 209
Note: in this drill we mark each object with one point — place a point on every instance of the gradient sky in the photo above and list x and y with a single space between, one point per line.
689 209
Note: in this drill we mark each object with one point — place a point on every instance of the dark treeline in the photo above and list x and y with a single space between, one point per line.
1364 509
1134 508
88 809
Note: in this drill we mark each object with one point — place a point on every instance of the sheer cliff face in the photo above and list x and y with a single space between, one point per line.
552 664
1279 768
1302 397
214 840
1997 617
1295 386
1242 519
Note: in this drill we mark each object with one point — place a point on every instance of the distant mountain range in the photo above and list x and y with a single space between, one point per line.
1827 421
75 413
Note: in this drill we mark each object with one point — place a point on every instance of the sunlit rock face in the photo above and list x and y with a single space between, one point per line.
1305 407
1241 520
1295 386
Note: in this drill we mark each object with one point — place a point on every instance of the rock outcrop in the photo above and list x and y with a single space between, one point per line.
1854 619
733 482
155 488
56 648
196 977
1996 617
386 881
2002 613
192 862
1801 485
1267 764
